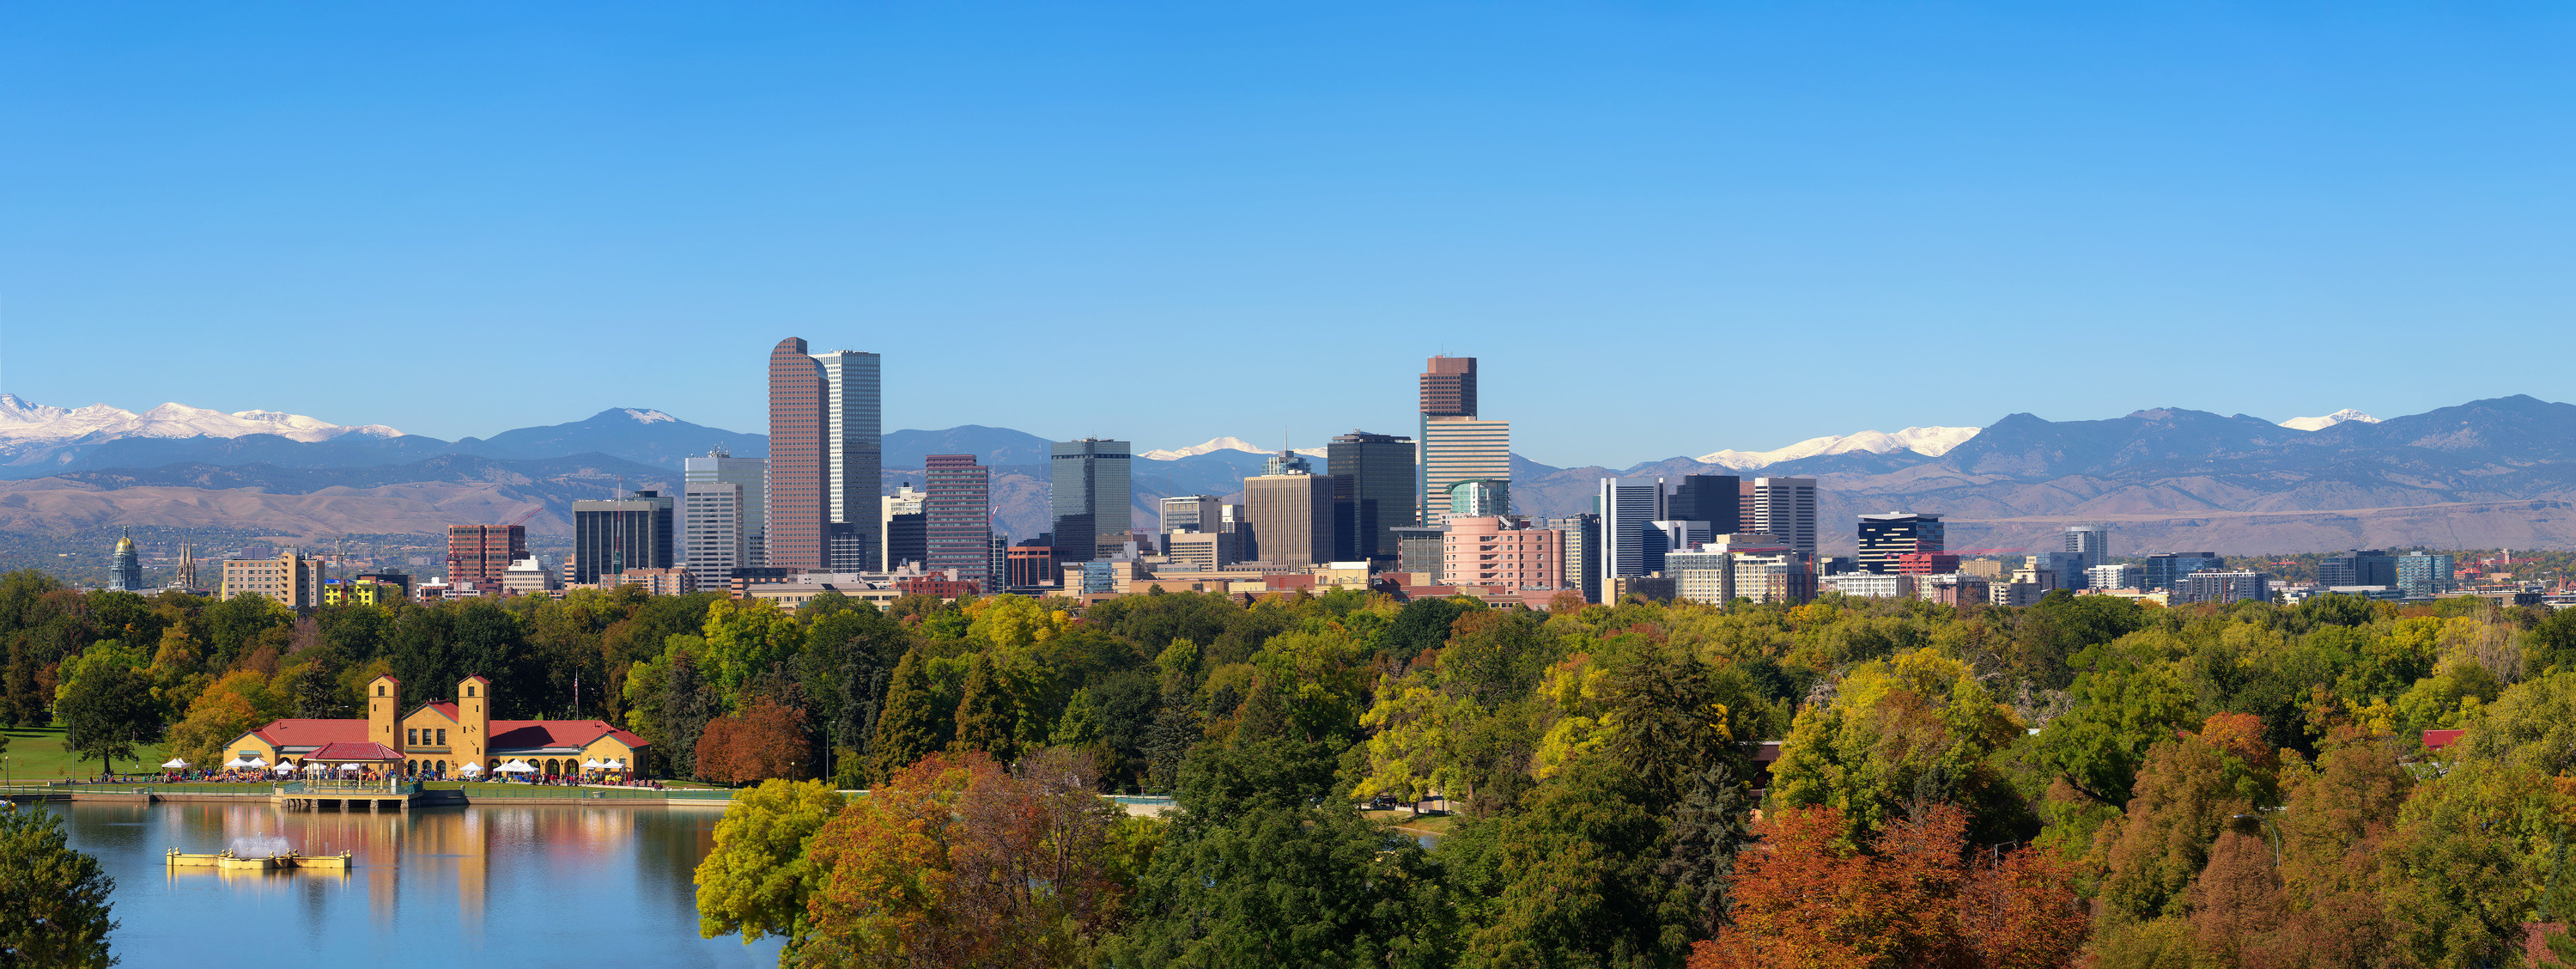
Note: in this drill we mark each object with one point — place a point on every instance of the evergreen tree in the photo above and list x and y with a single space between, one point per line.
1705 830
1264 716
913 725
1168 741
986 718
1079 727
54 897
20 706
688 702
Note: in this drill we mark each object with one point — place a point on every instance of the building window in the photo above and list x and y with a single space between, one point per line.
411 738
469 689
442 741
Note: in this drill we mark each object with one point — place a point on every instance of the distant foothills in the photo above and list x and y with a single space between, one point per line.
2488 473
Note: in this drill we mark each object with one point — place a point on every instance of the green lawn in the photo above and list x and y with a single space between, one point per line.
1438 824
38 754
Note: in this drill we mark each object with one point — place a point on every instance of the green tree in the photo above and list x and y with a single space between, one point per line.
756 880
1918 728
107 710
1253 873
1574 879
987 719
913 725
2124 704
54 908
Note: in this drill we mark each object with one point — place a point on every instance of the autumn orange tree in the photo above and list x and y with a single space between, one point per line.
958 862
1916 895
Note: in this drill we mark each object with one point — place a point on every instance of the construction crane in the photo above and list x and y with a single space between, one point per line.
524 516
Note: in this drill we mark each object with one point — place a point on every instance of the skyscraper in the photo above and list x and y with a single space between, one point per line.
619 535
1373 480
2091 543
1457 445
854 457
1712 498
1582 552
1291 517
712 537
1093 498
1885 536
957 510
719 466
1786 507
1628 507
799 466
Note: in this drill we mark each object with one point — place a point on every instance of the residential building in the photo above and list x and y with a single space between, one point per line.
1923 563
1093 495
2223 587
289 579
1582 552
1781 575
957 516
1952 590
1888 536
1652 588
480 553
362 591
2368 566
2016 594
712 535
1192 513
2115 576
2165 570
2425 575
1373 481
719 466
1991 570
1497 550
1870 585
1786 507
2091 544
938 585
854 458
907 535
798 505
1705 575
621 535
1290 516
1483 497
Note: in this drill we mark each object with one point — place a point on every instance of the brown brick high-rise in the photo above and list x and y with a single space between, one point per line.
798 520
480 553
1449 387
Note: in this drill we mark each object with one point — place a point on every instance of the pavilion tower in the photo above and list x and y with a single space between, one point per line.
384 711
473 722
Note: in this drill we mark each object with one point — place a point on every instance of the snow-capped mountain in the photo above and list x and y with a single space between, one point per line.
25 423
2330 420
1929 441
1214 445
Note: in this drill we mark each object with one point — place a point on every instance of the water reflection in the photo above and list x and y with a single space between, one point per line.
547 885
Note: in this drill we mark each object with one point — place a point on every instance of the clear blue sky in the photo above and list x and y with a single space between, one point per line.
1666 228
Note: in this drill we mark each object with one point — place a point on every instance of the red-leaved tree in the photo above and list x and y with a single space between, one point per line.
1912 897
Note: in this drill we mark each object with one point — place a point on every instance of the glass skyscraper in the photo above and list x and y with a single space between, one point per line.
1093 496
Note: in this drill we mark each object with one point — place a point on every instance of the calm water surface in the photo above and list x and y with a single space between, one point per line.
516 886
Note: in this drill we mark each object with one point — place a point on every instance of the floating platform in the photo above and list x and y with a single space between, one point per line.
227 861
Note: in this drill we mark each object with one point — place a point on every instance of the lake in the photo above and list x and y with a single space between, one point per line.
523 886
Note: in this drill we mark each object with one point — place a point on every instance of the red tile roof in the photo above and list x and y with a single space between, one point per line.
447 707
510 735
365 750
2438 739
311 733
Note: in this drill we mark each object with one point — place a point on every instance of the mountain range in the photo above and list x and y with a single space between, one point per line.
2486 473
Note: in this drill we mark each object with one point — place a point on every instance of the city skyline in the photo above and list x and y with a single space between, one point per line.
2067 186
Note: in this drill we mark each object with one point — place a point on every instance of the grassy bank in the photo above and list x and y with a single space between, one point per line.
38 754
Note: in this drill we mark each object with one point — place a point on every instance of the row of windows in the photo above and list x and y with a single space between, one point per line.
418 736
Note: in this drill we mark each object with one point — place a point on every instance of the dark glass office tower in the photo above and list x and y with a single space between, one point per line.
1373 482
